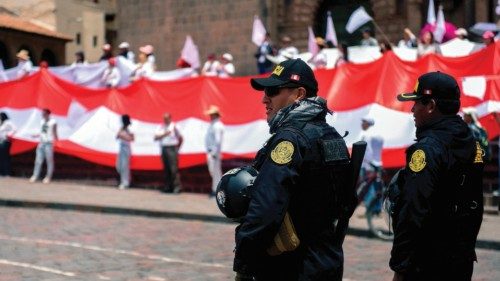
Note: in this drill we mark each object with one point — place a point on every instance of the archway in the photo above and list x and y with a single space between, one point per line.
5 56
49 57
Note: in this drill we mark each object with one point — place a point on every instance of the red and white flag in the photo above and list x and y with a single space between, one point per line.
311 43
330 35
258 31
190 53
440 29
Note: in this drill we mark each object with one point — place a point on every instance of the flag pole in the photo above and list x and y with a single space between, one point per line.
380 30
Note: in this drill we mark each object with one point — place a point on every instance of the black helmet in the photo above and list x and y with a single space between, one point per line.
233 191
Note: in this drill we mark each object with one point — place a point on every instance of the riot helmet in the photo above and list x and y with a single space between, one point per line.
233 191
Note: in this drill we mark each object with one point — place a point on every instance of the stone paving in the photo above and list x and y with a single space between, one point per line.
47 244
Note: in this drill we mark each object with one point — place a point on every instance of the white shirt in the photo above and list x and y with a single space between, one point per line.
7 129
171 139
226 70
47 130
111 77
374 144
213 138
143 70
25 68
210 68
320 59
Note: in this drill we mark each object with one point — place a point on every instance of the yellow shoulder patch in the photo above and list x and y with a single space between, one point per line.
282 153
479 154
417 161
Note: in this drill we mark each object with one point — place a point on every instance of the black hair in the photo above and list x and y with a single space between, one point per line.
125 120
46 110
3 116
445 106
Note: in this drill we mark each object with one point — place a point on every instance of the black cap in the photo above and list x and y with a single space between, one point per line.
436 85
294 71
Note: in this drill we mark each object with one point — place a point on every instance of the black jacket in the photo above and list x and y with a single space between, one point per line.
298 180
438 213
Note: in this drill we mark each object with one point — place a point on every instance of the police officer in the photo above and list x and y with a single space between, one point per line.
296 185
438 212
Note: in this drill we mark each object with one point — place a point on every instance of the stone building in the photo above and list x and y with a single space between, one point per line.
219 26
88 22
41 43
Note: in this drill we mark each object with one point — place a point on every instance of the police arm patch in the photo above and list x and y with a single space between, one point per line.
282 153
417 161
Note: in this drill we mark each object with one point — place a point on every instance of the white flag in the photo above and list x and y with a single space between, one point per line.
311 43
258 31
440 29
190 53
357 19
331 35
431 15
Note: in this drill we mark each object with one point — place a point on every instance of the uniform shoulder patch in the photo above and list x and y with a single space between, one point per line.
282 153
417 161
479 154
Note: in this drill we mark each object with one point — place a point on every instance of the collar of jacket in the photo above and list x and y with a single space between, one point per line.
299 113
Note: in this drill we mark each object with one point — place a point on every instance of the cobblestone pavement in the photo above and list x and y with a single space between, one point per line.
44 244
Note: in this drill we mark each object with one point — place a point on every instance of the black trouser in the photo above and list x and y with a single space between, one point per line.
169 157
5 158
460 271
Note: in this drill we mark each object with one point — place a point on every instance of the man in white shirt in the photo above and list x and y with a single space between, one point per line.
287 51
213 144
210 66
111 76
45 148
170 141
226 67
372 162
25 66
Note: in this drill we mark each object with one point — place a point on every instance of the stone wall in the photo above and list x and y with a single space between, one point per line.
216 26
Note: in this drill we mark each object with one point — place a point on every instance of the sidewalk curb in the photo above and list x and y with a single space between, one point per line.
481 244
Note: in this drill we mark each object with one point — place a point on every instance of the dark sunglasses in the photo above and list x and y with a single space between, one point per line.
274 91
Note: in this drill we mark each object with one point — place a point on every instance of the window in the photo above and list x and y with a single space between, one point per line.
94 41
78 38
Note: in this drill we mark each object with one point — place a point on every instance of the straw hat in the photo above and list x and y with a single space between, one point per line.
320 41
212 110
23 54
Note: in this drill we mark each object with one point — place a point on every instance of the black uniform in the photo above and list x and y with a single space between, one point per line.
295 176
438 213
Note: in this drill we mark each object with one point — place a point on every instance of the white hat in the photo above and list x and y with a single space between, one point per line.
148 49
106 47
227 56
124 45
368 120
461 31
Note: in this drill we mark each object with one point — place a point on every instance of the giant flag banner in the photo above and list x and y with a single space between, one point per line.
88 119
